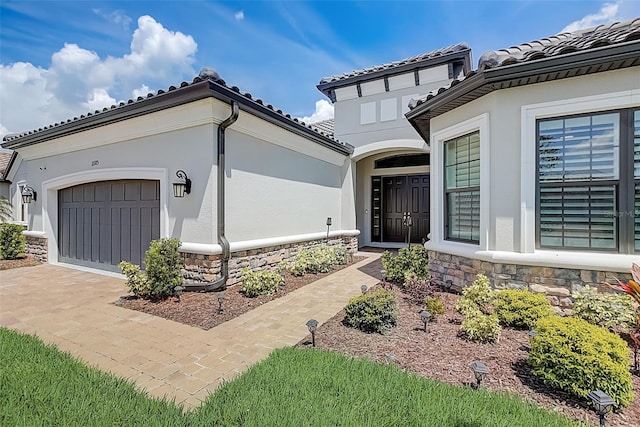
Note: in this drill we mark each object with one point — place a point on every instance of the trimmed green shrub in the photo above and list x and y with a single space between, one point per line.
520 308
319 259
481 327
477 296
575 356
372 312
264 282
12 242
409 261
434 306
163 270
611 311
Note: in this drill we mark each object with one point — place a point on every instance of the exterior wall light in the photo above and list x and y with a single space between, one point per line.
363 288
425 316
312 324
28 194
602 403
480 371
220 299
183 186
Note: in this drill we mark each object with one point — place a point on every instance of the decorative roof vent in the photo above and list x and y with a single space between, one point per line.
209 73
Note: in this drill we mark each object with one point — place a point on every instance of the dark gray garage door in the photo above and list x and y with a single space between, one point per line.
103 223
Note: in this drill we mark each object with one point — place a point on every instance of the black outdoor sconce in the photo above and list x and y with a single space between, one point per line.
602 403
28 195
312 324
183 187
480 371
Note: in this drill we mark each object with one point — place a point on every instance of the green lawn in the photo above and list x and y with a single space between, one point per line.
293 387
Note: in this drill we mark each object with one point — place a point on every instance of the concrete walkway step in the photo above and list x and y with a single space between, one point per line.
74 310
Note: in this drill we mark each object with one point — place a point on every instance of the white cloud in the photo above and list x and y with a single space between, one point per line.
239 15
324 111
79 81
606 15
142 91
118 17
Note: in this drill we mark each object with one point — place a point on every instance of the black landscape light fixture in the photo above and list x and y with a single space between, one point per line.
449 284
425 316
383 274
602 403
177 291
220 299
480 371
28 194
363 288
328 227
182 187
312 324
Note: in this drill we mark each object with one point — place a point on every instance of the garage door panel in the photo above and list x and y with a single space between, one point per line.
103 223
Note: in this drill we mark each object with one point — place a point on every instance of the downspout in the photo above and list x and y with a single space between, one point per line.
221 282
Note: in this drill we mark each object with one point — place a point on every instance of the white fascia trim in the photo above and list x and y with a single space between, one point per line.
479 123
50 197
386 146
529 115
598 261
14 168
211 249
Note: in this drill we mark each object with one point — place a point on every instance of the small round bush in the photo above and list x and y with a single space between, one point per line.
575 356
477 296
12 241
480 327
372 312
612 311
434 306
410 262
520 308
256 283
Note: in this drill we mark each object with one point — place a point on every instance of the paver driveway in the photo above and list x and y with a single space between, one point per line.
74 310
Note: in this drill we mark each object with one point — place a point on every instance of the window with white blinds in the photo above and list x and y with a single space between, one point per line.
462 188
589 182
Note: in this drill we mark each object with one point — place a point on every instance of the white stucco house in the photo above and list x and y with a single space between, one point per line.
535 163
526 169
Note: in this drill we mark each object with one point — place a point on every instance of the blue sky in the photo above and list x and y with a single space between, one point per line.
59 59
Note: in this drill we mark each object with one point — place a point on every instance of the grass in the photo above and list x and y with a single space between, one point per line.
293 387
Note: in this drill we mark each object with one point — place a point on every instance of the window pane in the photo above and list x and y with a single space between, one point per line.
463 210
579 149
578 217
462 161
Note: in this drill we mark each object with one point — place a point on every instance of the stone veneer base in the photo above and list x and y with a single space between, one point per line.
203 269
557 283
37 248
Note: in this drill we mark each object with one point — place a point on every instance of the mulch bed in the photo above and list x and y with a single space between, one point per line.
442 353
6 264
200 309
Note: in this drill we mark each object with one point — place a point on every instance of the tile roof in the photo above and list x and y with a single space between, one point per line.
325 126
220 85
551 47
393 65
5 157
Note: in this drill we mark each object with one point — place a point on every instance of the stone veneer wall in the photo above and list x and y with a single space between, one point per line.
37 248
206 268
557 283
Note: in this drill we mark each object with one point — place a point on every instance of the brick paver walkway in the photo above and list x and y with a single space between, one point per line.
74 310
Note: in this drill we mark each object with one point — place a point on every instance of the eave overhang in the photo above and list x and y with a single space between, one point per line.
576 64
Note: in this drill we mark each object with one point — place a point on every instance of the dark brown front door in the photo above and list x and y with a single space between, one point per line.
404 195
103 223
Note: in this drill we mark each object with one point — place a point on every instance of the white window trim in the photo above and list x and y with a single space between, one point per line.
50 197
529 115
437 241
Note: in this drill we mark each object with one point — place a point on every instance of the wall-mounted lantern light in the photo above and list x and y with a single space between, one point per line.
28 194
183 186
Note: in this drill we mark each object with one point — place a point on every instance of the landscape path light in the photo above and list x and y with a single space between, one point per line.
602 403
425 316
363 288
480 371
383 274
328 227
177 292
312 324
220 299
